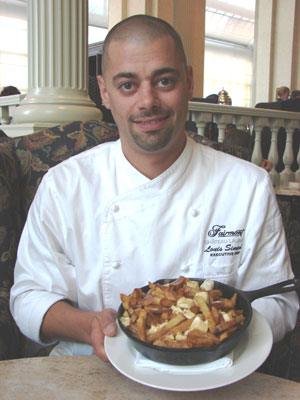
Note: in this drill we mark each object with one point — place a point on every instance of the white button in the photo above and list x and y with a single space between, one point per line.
194 212
116 265
116 208
185 268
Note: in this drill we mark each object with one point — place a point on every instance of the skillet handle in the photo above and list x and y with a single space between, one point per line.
280 287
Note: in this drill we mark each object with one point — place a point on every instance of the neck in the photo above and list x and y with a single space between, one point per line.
152 165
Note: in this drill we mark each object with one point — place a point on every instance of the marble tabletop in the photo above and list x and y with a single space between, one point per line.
88 378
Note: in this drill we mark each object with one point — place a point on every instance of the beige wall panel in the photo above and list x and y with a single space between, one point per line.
295 80
166 10
283 44
190 24
277 47
187 17
263 50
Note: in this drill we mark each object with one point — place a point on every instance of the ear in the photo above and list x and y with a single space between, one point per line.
190 81
103 91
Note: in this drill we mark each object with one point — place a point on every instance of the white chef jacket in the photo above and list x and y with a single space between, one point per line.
97 228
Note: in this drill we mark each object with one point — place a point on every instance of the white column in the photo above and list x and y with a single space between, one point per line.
277 47
57 64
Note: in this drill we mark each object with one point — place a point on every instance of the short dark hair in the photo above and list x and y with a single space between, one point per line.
143 27
295 94
9 90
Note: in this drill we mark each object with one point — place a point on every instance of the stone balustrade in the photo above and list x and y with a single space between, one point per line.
7 105
280 127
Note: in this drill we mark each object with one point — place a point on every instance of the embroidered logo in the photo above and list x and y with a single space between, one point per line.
223 242
220 231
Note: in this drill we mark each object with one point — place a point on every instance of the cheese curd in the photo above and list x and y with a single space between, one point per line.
208 284
198 323
184 302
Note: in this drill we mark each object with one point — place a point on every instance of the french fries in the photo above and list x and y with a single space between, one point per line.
181 314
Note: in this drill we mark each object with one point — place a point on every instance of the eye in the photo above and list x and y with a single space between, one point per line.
126 86
166 82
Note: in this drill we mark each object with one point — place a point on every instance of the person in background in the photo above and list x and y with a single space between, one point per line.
9 90
282 93
154 204
295 94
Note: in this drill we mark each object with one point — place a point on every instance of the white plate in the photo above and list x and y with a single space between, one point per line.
251 351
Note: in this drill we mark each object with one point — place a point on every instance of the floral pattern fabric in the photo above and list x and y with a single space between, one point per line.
38 152
290 211
237 151
10 230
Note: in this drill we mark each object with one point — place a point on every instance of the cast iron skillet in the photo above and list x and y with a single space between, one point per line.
199 355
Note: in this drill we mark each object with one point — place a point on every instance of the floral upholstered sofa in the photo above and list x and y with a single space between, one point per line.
23 162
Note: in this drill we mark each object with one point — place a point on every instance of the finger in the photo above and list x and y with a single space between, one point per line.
107 320
97 339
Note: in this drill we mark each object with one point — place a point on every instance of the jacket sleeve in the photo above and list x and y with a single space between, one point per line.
44 274
265 260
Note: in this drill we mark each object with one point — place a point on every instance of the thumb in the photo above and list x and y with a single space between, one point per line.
108 322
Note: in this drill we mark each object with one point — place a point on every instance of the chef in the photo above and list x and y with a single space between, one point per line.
152 205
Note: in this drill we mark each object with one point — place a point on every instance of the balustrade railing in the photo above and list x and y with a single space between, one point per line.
7 105
277 132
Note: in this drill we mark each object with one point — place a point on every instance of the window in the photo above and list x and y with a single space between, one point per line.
229 38
229 67
96 34
13 53
98 20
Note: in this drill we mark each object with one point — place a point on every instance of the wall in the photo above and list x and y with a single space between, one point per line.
277 47
186 16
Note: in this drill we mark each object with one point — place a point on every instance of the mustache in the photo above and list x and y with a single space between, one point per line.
152 113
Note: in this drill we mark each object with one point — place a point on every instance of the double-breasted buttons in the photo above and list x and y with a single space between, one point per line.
116 265
193 212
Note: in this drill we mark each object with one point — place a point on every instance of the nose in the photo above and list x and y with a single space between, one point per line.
148 97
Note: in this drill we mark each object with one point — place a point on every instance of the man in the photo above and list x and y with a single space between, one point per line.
152 205
295 94
282 93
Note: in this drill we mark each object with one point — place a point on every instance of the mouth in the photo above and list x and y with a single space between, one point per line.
151 124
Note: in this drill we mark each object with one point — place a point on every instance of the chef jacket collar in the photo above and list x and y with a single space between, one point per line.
129 178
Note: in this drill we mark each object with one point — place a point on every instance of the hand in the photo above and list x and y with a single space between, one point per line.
102 324
267 165
65 322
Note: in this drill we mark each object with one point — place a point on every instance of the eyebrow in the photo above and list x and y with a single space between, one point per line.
128 75
166 70
158 72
